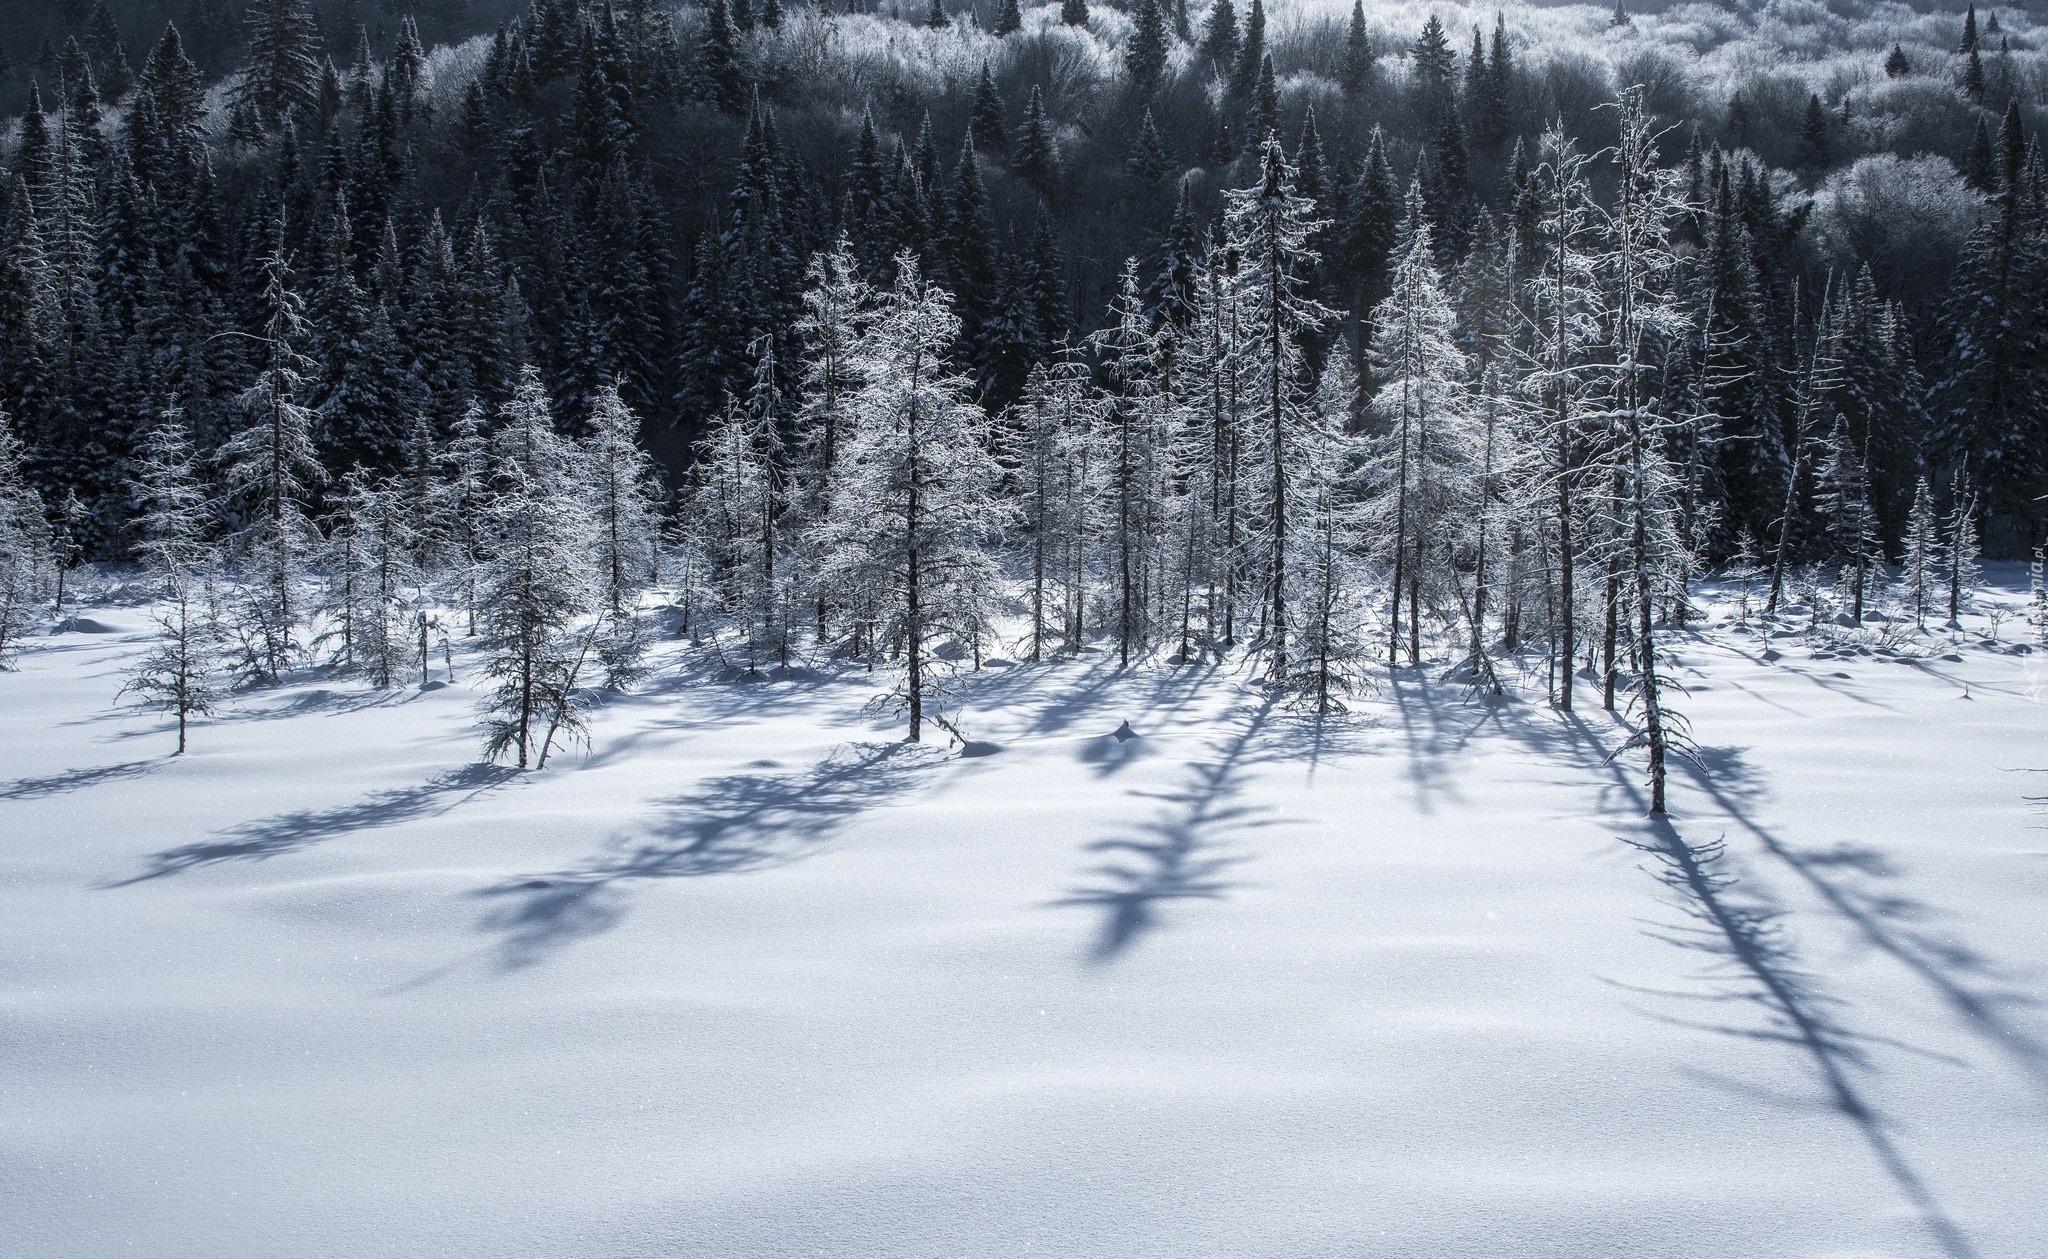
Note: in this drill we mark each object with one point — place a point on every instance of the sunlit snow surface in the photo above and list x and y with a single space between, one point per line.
753 979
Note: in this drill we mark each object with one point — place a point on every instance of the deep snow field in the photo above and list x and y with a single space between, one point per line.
753 979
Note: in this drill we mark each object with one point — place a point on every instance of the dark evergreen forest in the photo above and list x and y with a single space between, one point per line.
633 193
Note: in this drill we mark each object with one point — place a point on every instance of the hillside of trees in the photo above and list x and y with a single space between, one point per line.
1303 330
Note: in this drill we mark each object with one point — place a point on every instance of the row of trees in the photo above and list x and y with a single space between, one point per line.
535 545
1189 487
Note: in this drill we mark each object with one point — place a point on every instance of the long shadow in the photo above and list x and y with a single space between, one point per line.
1759 958
75 780
1841 877
1024 701
703 703
289 832
727 825
1756 956
1748 938
1051 695
1172 857
320 700
1432 734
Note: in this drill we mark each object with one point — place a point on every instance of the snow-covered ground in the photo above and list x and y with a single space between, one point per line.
754 979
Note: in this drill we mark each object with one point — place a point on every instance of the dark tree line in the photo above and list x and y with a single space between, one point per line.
630 194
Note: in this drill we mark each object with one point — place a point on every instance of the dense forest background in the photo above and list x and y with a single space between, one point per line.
633 191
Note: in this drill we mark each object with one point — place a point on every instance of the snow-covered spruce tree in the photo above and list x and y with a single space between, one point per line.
419 486
911 524
1564 304
1920 580
535 584
374 583
69 526
624 500
1637 269
1056 470
461 496
270 467
1422 469
283 74
181 672
1269 226
1131 354
1843 496
1744 569
765 404
1960 550
24 547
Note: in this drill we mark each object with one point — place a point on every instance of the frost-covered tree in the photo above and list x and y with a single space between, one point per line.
1421 466
1920 560
270 466
182 672
1326 578
624 502
907 535
1819 375
69 526
1637 271
1215 370
1960 550
1269 226
1564 304
1844 499
1744 569
536 583
835 306
1057 467
374 585
1504 470
734 523
24 547
1133 357
461 495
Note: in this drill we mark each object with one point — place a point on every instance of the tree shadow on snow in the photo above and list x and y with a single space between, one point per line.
1052 696
687 702
1852 880
75 780
1754 958
1755 963
289 832
1173 857
727 825
1435 729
